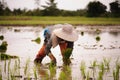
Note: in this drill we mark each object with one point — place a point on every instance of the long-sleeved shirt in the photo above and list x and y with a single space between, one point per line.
51 40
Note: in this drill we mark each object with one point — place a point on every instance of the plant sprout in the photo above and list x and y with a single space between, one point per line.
83 68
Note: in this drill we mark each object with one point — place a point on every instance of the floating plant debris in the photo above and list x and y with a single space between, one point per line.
37 40
16 30
97 38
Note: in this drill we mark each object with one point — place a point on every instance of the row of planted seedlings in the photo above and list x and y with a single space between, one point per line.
11 70
100 70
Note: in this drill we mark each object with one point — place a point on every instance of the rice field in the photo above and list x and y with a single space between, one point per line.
36 20
96 55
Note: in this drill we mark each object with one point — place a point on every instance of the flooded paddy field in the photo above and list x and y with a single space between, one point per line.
95 56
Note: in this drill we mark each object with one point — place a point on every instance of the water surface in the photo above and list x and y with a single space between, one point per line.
86 48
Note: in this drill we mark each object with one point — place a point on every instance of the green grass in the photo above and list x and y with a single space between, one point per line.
35 20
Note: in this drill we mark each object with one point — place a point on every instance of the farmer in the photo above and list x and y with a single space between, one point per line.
63 36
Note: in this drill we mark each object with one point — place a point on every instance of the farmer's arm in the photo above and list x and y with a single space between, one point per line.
48 47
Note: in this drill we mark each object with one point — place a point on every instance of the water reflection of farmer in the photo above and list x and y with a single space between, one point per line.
64 37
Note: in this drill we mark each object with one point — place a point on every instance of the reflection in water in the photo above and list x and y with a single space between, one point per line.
45 72
114 33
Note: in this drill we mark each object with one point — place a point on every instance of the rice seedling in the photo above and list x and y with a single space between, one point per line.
18 66
102 68
65 73
88 76
26 66
100 75
66 56
35 73
15 66
62 76
107 63
93 67
83 69
101 71
12 73
116 71
52 70
9 62
5 65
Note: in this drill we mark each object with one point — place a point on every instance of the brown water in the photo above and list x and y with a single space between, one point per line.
86 49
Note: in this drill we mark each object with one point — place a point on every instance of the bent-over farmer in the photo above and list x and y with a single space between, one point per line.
65 36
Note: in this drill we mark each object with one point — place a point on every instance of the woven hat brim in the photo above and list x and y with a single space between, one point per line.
68 37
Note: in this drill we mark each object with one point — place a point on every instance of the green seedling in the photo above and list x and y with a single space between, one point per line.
102 67
19 66
107 63
100 76
65 73
66 56
5 65
116 71
9 62
26 66
88 76
62 76
52 70
101 71
37 40
83 69
35 73
93 67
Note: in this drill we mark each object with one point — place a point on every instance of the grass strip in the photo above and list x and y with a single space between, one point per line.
48 20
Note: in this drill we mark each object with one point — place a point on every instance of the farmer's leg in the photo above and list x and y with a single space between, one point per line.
41 54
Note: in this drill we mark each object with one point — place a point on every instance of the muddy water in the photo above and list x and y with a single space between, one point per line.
86 49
